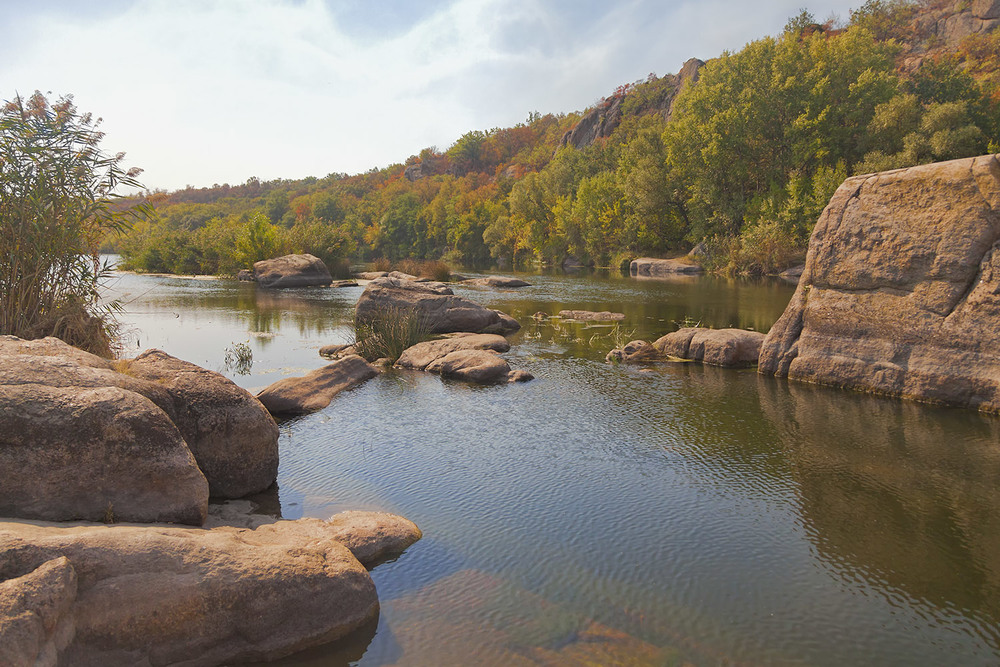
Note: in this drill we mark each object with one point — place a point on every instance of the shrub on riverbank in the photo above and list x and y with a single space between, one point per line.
57 203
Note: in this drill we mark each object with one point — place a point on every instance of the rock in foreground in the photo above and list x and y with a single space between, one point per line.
130 595
315 390
900 291
442 311
292 271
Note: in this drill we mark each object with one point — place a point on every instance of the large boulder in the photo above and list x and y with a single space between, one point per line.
292 271
114 595
479 366
94 454
732 348
650 267
231 435
233 439
900 291
435 303
315 390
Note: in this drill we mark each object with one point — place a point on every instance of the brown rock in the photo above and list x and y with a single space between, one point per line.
986 9
899 294
35 619
496 281
732 348
423 354
335 351
231 435
441 309
245 276
648 266
371 275
93 453
292 271
314 391
373 536
344 283
591 316
479 366
169 595
636 351
519 376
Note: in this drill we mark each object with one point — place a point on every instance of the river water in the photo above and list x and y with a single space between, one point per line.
602 514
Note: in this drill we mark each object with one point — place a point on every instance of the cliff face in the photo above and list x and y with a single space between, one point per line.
602 120
901 290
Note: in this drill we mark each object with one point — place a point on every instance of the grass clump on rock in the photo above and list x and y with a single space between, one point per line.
390 331
58 201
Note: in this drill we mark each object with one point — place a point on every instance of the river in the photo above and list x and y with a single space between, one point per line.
603 514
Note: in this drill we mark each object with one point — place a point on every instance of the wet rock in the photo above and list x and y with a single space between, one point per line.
98 453
592 316
635 352
648 266
315 390
170 595
899 293
335 351
479 366
421 355
496 281
371 275
519 376
732 348
292 271
437 305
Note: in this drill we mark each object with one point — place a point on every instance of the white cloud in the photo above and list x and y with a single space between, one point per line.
210 92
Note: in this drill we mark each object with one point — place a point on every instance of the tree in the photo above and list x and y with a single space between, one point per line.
58 199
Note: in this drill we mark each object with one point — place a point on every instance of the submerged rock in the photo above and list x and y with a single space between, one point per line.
442 311
292 271
496 281
899 293
732 348
315 390
111 595
591 316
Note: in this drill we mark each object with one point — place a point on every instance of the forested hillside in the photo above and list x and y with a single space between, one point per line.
738 155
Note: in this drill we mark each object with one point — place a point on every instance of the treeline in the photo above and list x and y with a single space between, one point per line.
740 161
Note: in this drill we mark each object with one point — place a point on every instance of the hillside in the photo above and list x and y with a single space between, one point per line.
738 154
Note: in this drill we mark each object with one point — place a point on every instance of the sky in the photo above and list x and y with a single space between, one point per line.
204 92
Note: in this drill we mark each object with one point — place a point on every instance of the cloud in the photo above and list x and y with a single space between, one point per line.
210 92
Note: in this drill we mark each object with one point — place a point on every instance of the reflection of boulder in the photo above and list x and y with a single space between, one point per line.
904 494
899 293
111 595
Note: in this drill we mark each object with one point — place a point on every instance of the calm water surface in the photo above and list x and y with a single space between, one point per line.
599 514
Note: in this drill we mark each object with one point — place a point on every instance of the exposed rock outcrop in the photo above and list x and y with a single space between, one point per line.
635 352
465 356
442 311
421 355
496 281
649 266
99 595
292 271
315 390
899 293
479 366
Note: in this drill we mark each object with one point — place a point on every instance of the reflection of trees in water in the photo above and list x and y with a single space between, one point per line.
895 491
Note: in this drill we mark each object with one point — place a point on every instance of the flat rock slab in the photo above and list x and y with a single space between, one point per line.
371 275
496 281
292 271
648 266
421 355
110 595
344 283
592 316
900 290
436 304
315 390
733 348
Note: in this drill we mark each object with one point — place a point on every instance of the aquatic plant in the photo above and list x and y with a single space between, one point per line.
239 358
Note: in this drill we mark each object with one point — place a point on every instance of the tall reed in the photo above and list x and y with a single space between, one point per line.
389 332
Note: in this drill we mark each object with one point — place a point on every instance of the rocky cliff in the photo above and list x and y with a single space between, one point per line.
901 290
